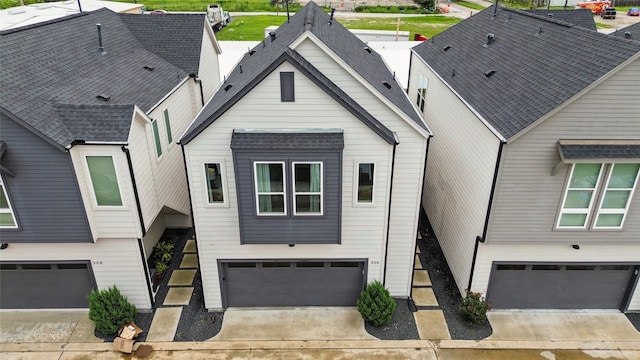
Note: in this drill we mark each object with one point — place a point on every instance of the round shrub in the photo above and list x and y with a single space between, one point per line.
474 308
376 305
109 310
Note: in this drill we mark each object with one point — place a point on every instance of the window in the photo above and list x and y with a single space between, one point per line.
613 184
617 196
365 183
423 81
156 136
287 92
167 124
104 180
307 189
215 190
7 219
270 188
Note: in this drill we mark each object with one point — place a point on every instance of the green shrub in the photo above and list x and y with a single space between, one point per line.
375 304
109 310
163 252
474 307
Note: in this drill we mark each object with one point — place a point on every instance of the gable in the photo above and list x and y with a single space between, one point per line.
529 66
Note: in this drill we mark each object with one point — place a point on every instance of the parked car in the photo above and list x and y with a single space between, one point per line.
633 12
608 13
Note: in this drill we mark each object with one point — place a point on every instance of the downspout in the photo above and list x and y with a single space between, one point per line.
195 78
412 305
146 272
386 245
186 171
481 239
135 189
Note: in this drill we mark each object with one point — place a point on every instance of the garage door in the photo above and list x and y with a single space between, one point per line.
292 283
560 286
45 285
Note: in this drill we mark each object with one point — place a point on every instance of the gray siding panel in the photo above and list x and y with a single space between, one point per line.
289 229
44 192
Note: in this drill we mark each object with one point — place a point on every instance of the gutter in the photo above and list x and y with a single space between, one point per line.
386 244
482 239
186 171
135 189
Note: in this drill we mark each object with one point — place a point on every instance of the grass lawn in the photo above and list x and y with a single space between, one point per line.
470 5
252 27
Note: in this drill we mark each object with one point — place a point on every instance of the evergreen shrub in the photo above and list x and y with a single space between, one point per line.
376 305
109 310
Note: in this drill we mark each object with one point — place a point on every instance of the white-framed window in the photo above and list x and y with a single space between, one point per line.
617 193
307 188
104 180
421 97
611 186
365 179
167 125
215 183
156 137
7 218
270 187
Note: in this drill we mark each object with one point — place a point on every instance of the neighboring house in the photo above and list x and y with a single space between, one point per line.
579 17
532 177
305 172
91 173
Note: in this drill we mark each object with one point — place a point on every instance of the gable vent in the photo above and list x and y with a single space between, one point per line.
489 73
150 68
446 48
103 97
386 84
226 88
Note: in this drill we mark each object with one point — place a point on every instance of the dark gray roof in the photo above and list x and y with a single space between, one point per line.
274 140
578 17
176 38
265 57
575 151
631 32
54 68
533 65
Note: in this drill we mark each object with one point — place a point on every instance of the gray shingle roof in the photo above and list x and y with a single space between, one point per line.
51 69
632 30
273 140
263 58
578 17
602 151
538 63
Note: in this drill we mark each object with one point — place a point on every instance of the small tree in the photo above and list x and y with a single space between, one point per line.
109 310
425 4
375 304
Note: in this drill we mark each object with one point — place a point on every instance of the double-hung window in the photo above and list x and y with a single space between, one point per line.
270 188
598 195
307 189
7 218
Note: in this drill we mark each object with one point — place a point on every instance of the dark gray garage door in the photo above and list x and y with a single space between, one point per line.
45 285
292 283
560 286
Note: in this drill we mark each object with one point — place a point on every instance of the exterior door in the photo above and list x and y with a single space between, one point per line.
59 285
292 283
560 286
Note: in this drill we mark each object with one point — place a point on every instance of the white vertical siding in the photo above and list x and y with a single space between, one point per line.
113 261
459 175
363 228
107 222
488 253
